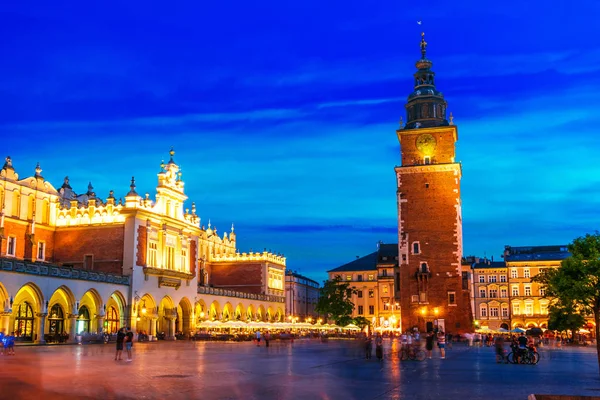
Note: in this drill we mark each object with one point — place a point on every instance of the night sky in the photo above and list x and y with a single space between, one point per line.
283 115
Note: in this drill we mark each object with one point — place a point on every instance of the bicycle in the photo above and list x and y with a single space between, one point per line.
524 356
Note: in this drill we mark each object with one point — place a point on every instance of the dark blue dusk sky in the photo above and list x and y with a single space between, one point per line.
283 115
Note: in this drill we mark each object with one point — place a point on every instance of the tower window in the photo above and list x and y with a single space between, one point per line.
416 249
424 268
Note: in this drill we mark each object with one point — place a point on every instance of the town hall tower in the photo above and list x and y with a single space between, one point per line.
433 293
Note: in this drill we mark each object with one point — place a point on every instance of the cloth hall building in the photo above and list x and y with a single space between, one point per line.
76 263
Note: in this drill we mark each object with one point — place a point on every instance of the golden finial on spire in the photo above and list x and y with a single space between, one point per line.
401 122
423 45
451 119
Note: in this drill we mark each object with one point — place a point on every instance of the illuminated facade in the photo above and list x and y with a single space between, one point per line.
529 306
375 279
431 290
491 296
301 296
73 263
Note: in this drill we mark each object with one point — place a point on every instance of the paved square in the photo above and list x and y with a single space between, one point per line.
306 369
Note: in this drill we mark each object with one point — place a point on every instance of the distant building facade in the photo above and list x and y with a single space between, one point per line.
529 306
301 296
490 293
375 277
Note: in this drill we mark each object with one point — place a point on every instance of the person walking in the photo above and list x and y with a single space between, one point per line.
429 343
441 338
379 347
267 338
257 338
368 347
120 339
129 343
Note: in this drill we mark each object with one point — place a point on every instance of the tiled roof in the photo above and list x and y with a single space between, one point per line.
536 253
366 263
489 264
388 250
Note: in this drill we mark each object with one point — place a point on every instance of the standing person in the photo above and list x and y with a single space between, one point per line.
499 343
429 343
267 338
120 339
441 338
10 340
368 347
379 347
129 343
257 338
2 339
449 340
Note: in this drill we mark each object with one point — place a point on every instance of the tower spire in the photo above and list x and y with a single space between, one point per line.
426 107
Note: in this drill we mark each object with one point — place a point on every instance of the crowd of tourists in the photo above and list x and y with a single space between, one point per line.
7 344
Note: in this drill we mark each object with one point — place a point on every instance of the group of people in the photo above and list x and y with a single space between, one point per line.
7 344
264 336
124 336
378 346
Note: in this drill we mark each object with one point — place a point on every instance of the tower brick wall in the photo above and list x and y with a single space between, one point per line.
241 276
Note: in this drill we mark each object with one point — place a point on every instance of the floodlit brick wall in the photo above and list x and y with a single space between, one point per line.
19 231
105 244
242 276
142 245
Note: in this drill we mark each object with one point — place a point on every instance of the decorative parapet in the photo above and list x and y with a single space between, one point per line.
55 271
240 295
168 273
264 256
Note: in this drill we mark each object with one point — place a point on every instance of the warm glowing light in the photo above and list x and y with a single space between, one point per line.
423 311
201 314
436 311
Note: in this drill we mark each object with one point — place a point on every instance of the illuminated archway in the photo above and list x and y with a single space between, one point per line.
227 312
167 312
90 306
26 329
215 311
239 312
260 314
114 318
184 312
250 313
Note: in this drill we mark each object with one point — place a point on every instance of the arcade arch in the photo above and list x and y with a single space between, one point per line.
184 313
27 304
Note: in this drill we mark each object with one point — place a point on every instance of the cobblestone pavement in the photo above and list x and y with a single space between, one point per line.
303 370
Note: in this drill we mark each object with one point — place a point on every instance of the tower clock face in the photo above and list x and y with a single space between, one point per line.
426 143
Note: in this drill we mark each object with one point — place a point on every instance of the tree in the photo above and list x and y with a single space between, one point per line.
334 300
577 282
565 317
361 322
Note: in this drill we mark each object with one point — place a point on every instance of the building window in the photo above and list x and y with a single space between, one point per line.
424 268
416 248
41 251
24 318
384 272
513 273
494 312
371 310
11 247
112 320
371 293
451 298
504 311
360 310
493 293
481 279
371 277
516 309
527 290
542 291
385 289
515 290
169 257
502 278
359 277
414 298
427 160
359 294
152 254
543 308
492 279
526 273
184 260
385 307
348 277
482 293
483 310
529 309
503 292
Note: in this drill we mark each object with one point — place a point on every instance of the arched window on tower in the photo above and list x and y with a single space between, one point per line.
416 249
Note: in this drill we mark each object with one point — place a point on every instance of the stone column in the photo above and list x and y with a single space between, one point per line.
153 326
72 328
172 330
100 326
5 322
41 327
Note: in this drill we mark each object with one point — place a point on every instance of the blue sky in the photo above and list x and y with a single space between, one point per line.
283 116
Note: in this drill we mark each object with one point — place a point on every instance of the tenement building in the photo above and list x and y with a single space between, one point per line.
75 263
375 279
529 304
432 291
490 294
301 296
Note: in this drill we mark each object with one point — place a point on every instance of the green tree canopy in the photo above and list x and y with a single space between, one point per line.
334 300
361 322
576 283
565 317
